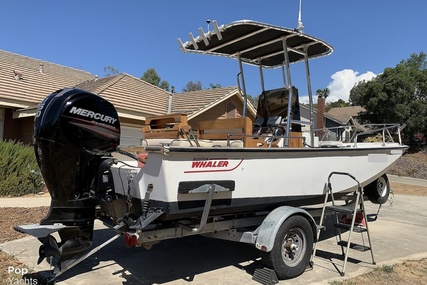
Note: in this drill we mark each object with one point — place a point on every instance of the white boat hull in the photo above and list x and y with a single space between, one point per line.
249 179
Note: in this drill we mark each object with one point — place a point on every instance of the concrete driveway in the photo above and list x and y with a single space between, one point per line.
399 233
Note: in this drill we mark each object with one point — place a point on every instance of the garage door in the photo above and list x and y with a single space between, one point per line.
130 136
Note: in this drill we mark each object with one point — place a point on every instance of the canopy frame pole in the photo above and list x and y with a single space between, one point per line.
282 68
289 81
310 95
261 76
245 97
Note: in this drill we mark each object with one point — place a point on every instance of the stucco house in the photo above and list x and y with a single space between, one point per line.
25 82
336 120
211 104
135 100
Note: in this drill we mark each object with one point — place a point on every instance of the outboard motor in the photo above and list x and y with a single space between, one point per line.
73 132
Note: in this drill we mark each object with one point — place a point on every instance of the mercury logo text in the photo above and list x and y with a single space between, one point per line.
93 115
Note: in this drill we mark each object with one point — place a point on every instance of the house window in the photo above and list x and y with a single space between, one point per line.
230 110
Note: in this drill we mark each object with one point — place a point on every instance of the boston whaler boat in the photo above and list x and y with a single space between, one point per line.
225 176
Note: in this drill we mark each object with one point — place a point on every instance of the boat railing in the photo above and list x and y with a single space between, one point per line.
270 140
356 133
384 130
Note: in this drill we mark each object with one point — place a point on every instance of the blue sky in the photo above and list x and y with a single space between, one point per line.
132 36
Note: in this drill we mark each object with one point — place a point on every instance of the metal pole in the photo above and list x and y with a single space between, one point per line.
284 76
261 76
288 75
245 98
170 100
310 96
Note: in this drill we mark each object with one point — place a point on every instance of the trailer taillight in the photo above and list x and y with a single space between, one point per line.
131 239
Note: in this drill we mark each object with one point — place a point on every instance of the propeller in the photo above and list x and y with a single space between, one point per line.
49 249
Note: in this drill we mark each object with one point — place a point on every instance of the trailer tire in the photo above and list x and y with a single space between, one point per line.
379 190
292 248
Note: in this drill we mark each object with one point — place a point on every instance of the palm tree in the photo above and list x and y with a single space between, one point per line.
322 93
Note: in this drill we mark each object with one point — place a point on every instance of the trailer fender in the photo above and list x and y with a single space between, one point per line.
267 231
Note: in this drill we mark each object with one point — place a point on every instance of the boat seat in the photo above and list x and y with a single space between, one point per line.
275 126
257 127
274 121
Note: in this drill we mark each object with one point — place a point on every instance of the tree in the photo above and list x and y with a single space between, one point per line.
253 100
110 71
213 86
322 93
151 76
398 95
192 86
336 104
164 85
356 91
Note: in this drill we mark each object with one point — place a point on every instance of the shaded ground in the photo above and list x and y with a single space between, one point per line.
408 272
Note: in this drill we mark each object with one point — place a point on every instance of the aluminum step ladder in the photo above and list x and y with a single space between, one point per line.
353 219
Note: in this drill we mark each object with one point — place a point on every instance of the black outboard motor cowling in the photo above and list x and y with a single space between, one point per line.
73 130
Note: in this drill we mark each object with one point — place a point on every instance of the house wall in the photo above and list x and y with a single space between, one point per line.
22 129
18 129
334 132
305 116
1 123
11 126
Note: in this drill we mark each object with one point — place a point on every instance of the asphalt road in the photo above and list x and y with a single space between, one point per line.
398 234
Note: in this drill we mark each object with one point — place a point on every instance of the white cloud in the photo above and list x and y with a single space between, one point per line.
343 81
341 84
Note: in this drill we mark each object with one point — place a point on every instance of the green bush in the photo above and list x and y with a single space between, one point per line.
19 172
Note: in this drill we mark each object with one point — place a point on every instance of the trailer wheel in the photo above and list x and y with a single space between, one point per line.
379 190
292 248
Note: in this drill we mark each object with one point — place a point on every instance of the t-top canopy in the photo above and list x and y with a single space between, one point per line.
256 43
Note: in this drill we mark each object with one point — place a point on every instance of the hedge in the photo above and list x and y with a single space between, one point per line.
19 172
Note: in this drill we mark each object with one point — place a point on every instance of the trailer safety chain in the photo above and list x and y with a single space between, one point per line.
146 199
131 177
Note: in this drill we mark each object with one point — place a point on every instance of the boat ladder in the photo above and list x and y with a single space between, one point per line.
349 217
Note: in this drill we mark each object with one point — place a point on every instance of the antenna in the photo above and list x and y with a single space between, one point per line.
300 26
208 21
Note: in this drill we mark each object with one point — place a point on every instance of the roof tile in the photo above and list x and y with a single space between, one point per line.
36 79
